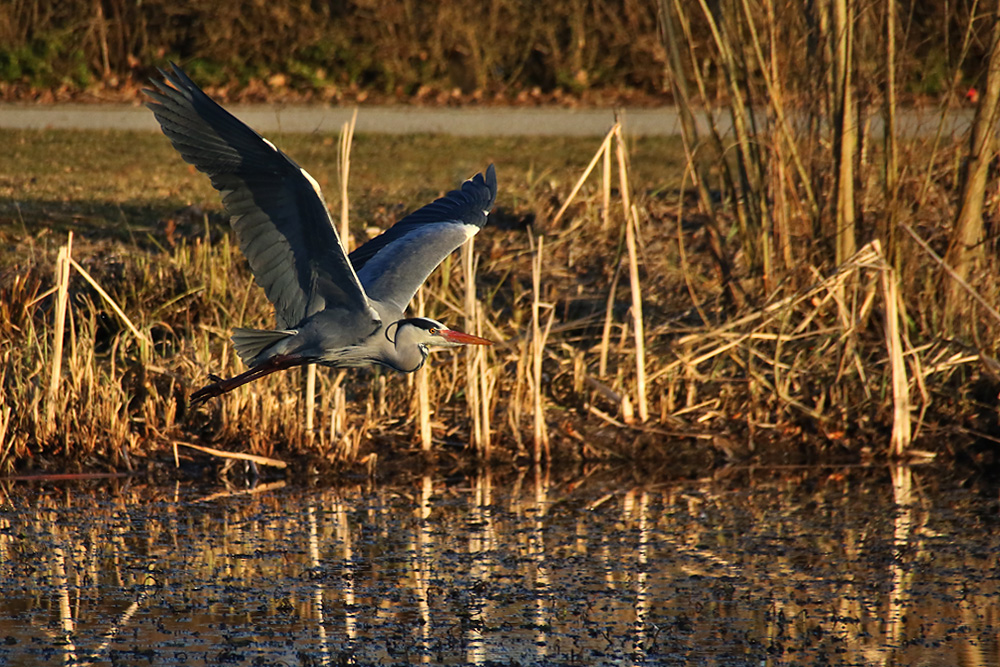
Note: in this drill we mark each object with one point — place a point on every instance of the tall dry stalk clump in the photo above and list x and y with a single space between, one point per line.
788 171
767 295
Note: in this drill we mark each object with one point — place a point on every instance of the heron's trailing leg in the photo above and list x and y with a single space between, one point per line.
221 386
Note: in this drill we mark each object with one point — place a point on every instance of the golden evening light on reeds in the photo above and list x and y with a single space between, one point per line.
801 274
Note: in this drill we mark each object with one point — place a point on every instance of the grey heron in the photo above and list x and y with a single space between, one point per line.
331 308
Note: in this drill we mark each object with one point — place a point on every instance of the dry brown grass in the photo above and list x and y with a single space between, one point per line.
805 356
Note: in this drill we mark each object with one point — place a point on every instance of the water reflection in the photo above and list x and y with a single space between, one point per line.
865 566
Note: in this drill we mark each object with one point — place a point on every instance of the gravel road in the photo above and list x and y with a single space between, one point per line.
479 121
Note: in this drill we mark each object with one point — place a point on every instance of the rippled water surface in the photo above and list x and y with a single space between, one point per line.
871 566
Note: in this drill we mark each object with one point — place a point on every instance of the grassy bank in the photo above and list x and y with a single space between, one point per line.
729 362
562 51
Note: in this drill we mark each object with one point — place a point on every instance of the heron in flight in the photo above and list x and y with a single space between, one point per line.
331 308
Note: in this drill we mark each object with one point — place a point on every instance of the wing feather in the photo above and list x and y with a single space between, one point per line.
394 264
280 219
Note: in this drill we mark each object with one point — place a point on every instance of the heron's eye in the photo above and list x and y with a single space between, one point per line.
434 331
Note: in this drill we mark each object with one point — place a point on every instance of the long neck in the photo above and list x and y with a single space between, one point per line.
407 355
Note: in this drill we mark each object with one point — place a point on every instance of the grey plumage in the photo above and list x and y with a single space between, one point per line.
329 308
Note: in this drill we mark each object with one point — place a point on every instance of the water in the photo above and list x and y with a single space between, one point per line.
825 566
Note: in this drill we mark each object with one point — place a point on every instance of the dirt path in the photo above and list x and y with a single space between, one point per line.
413 120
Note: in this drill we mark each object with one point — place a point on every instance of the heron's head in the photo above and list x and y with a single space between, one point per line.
426 332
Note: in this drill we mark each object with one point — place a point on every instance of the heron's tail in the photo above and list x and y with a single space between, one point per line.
251 343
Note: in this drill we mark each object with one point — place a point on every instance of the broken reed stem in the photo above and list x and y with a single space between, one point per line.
423 390
310 406
616 128
631 225
344 160
240 456
59 326
951 272
623 183
474 358
541 436
5 444
901 426
609 312
606 188
346 139
338 417
631 231
142 338
487 381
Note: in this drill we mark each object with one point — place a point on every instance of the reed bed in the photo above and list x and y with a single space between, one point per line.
581 309
757 301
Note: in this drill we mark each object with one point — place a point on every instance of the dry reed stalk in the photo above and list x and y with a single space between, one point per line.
516 402
141 337
541 436
423 389
966 250
891 143
605 145
951 272
901 426
845 129
238 456
670 38
750 214
707 340
623 182
487 382
930 171
346 140
344 162
310 403
772 81
473 358
631 232
338 415
343 443
5 444
606 189
62 299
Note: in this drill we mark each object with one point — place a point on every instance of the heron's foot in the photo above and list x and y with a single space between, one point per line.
220 386
217 387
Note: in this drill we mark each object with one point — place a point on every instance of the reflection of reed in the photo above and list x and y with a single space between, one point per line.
318 590
232 493
66 624
343 530
149 586
480 541
971 652
792 565
902 485
642 598
420 558
537 553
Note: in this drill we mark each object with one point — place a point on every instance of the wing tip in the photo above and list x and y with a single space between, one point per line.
173 81
491 181
487 179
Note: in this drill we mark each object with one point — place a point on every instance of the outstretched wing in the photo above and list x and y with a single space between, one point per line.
394 264
275 206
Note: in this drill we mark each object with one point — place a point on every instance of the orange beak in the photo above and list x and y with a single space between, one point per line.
460 338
